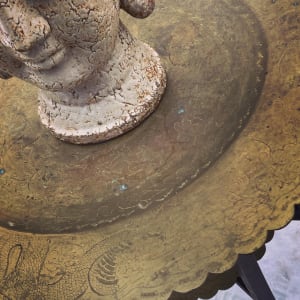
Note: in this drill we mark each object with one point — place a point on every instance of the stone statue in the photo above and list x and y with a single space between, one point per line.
96 81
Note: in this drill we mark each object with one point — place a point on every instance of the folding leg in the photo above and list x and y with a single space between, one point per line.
251 278
297 213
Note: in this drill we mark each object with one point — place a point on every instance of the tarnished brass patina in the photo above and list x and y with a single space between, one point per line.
179 197
215 75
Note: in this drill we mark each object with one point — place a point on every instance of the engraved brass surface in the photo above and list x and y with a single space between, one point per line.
201 229
215 55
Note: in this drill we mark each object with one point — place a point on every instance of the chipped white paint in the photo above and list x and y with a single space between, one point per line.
11 224
96 80
131 86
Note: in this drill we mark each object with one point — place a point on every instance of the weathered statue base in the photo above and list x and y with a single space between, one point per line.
131 84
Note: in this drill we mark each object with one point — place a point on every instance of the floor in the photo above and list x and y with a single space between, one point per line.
280 265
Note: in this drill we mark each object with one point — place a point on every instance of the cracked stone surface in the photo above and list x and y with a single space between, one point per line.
96 80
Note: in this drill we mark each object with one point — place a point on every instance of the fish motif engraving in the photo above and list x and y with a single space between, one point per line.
46 269
102 275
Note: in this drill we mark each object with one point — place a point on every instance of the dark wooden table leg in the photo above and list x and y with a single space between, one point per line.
251 278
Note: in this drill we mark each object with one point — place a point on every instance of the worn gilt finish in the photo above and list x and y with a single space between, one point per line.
175 244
